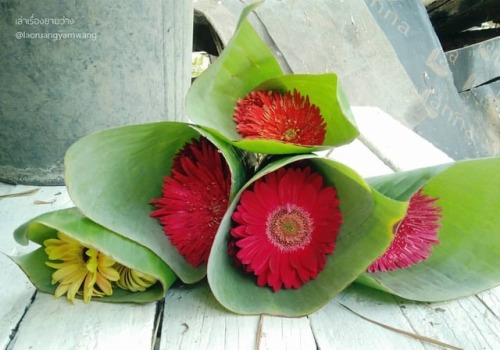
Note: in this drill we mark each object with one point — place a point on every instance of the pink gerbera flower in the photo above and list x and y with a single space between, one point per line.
194 199
286 225
415 235
288 117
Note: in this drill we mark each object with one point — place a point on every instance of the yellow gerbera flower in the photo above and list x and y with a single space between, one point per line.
80 265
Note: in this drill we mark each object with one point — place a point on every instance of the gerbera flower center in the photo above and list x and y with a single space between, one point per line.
290 135
289 227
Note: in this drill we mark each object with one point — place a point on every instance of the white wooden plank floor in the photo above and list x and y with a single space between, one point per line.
190 317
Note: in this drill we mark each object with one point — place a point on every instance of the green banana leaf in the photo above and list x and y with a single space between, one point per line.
468 259
113 175
366 232
74 224
246 64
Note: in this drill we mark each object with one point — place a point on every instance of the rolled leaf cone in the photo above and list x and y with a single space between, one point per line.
113 175
467 260
366 231
73 224
246 64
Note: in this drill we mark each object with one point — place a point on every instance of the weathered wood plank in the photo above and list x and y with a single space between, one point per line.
194 319
286 333
359 157
466 322
397 146
57 324
16 291
385 145
18 209
335 327
491 299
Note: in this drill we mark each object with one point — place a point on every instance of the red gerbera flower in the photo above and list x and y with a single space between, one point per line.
286 225
194 199
271 115
415 235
